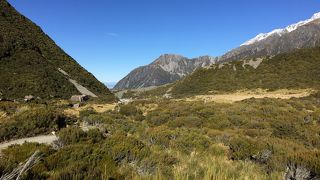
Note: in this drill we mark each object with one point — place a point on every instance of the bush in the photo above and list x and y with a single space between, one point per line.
286 130
31 122
189 121
126 149
71 135
157 119
129 110
189 140
160 136
81 161
17 154
243 148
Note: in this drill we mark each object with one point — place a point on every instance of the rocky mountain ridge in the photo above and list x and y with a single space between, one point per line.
165 69
304 34
170 68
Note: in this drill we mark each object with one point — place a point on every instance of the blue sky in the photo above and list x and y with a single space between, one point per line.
112 37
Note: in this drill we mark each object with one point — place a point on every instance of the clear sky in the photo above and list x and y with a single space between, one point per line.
112 37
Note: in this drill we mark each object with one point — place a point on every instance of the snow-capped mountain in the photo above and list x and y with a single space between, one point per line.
304 34
283 31
165 69
169 68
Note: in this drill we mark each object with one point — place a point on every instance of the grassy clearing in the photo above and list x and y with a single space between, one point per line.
257 94
100 108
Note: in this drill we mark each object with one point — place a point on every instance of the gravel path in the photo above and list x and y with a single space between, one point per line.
82 89
43 139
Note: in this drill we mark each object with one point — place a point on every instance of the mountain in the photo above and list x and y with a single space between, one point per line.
304 34
32 64
293 70
110 84
166 69
170 68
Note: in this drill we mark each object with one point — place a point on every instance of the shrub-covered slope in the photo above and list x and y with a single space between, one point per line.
29 61
169 139
299 69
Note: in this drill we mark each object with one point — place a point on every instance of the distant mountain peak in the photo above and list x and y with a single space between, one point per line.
167 58
166 69
280 32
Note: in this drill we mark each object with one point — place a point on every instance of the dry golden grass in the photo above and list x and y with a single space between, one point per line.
2 115
100 108
214 166
247 94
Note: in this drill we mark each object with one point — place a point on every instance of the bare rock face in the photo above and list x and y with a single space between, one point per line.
79 98
166 69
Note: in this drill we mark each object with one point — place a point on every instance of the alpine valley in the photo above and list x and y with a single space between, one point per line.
250 114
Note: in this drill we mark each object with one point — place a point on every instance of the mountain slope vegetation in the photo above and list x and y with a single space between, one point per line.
299 69
29 61
252 139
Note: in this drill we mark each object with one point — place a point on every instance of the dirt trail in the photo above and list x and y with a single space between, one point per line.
43 139
242 95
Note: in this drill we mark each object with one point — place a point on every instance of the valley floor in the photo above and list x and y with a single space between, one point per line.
243 135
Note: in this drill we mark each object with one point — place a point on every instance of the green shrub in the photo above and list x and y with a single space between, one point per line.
87 112
189 140
71 135
126 149
16 154
286 130
189 121
30 123
157 119
243 148
160 136
81 161
129 110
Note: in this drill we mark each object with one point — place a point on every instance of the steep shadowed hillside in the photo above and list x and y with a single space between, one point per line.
31 62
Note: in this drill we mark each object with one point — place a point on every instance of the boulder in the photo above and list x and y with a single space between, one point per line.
76 106
79 98
307 119
28 98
